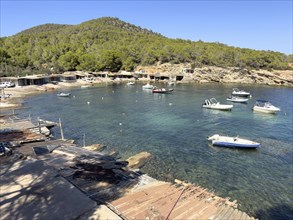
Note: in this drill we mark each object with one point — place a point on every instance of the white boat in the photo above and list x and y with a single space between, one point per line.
214 104
265 107
162 90
62 94
148 86
85 86
237 99
131 83
88 79
237 92
225 141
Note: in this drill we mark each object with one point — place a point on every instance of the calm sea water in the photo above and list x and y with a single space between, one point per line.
174 128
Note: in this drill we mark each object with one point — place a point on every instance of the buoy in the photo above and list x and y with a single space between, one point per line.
102 98
120 124
170 103
88 103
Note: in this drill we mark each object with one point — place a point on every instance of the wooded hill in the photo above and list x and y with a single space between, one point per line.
111 44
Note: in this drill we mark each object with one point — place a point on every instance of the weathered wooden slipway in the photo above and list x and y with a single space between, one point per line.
52 178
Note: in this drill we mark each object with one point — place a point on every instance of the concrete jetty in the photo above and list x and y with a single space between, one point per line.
55 179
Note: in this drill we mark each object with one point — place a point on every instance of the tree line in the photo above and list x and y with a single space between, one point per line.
111 44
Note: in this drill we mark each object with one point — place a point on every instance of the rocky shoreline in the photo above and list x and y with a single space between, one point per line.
199 75
225 75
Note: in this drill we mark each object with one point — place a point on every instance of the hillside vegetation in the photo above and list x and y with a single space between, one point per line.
111 44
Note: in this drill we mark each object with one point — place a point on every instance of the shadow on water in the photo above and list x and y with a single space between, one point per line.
279 212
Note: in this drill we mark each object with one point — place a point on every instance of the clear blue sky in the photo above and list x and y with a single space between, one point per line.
261 25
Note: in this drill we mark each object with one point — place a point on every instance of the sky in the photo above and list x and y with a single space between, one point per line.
260 25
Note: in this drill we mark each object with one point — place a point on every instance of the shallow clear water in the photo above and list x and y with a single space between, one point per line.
174 128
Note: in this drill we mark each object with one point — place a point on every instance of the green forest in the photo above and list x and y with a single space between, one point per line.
109 44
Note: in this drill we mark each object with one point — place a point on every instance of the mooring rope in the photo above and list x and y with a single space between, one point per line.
175 203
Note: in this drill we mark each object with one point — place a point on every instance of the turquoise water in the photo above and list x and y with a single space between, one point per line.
174 128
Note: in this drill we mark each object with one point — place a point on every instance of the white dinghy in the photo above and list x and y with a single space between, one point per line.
63 94
237 99
214 104
225 141
148 86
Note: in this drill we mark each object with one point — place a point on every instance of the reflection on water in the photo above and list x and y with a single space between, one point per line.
130 120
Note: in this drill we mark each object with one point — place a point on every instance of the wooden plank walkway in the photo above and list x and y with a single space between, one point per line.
141 197
163 200
127 193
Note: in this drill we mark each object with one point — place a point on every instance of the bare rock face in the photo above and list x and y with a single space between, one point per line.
139 160
237 75
223 75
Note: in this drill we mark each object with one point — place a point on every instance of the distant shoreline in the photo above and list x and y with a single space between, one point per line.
200 75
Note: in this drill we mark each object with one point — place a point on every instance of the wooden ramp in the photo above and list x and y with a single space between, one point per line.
161 200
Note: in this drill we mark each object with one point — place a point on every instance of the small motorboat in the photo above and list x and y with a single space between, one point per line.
237 92
148 86
225 141
265 107
237 99
171 83
162 90
85 86
214 104
63 94
131 83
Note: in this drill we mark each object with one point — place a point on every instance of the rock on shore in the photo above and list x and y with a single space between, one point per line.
137 161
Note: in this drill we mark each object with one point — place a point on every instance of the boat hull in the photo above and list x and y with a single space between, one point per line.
235 142
64 95
237 100
219 107
235 145
162 91
265 110
148 87
240 94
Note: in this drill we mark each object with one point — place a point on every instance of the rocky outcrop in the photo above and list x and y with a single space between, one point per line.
139 160
237 75
223 75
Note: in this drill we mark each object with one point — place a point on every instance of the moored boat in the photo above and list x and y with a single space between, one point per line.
214 104
131 83
237 99
225 141
148 86
265 107
62 94
162 90
237 92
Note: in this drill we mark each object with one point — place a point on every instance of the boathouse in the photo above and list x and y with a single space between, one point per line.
140 75
100 74
187 70
68 77
160 76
